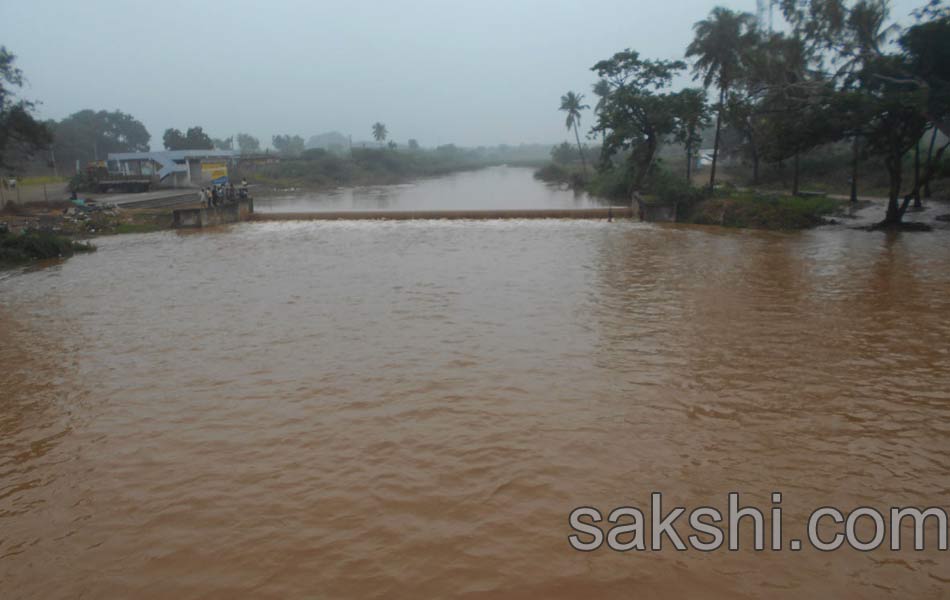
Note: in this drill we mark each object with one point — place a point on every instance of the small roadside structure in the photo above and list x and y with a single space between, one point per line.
173 168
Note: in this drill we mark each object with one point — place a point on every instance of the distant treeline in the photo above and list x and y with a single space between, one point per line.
319 167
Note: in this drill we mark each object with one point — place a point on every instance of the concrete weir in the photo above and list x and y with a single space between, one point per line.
608 212
232 212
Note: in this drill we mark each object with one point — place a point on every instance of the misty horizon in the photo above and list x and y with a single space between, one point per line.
480 75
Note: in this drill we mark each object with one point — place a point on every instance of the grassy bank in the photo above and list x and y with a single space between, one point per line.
728 207
135 220
762 211
19 248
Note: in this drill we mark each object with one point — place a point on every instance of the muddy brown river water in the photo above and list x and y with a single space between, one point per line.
412 409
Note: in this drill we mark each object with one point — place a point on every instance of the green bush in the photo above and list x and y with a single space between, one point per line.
612 182
553 172
37 245
763 211
673 190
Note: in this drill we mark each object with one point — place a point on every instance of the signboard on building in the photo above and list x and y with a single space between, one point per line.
215 172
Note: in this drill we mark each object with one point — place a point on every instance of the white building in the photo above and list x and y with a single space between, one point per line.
175 168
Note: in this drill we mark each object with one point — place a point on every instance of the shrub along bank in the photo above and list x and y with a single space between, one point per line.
24 247
727 207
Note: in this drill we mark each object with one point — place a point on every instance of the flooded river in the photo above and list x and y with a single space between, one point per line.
412 409
494 188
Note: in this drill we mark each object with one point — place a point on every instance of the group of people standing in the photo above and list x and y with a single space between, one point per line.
220 194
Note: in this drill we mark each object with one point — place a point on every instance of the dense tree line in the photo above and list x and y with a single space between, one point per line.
81 137
21 135
84 136
840 72
288 145
193 139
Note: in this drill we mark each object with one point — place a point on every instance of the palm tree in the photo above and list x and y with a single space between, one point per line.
719 48
379 132
601 90
571 104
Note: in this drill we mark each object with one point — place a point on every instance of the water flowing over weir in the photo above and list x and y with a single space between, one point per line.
371 409
611 212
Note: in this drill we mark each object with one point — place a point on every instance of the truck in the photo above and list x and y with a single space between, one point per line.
102 180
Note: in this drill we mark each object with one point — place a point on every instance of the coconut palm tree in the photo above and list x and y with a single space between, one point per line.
719 48
379 132
571 104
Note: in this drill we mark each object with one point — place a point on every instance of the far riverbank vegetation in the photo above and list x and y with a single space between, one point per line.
842 102
323 168
838 102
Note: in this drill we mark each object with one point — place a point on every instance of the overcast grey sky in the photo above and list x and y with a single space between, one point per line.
472 73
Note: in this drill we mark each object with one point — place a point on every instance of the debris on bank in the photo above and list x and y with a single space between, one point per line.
81 218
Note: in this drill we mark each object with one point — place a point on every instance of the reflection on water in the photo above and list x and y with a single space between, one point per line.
490 189
411 409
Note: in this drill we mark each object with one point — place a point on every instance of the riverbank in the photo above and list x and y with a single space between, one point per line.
668 198
671 200
66 219
755 210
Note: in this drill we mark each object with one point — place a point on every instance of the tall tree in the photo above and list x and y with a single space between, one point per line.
248 144
571 104
774 75
21 136
379 132
692 115
719 48
898 94
91 135
193 139
926 47
288 145
638 113
796 117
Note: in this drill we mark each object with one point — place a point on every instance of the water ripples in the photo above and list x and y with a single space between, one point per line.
373 409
